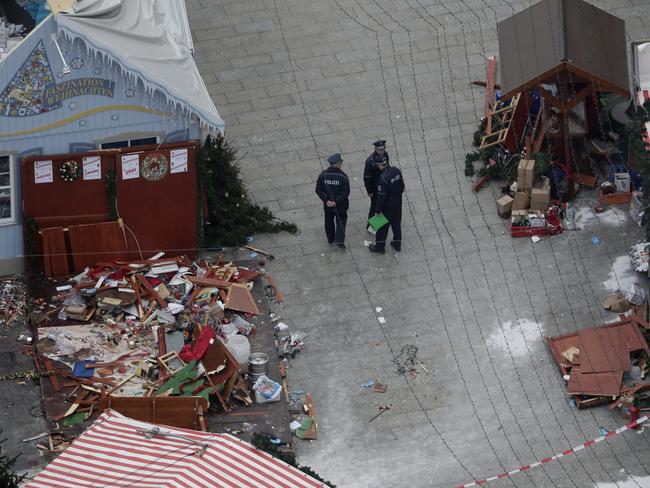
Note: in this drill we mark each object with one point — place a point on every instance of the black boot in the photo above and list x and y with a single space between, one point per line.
396 245
375 248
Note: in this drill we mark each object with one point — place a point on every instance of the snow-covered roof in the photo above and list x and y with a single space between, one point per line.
151 40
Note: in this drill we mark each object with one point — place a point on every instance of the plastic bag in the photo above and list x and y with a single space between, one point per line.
266 390
243 327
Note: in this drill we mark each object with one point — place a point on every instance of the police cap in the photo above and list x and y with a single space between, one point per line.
335 158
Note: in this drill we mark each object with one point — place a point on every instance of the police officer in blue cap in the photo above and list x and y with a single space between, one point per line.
389 202
333 188
371 173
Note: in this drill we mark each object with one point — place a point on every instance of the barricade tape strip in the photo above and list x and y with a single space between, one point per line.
573 450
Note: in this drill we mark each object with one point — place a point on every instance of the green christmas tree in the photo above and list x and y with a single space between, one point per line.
229 215
8 479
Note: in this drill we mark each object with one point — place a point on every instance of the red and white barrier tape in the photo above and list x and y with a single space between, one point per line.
573 450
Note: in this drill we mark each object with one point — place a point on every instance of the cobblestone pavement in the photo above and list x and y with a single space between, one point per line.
299 80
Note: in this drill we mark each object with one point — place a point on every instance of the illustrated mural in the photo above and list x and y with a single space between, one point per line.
33 89
24 95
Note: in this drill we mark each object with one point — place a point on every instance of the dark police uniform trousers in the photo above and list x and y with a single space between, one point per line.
333 185
371 177
389 202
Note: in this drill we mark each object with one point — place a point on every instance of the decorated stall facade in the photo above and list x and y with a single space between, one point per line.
72 89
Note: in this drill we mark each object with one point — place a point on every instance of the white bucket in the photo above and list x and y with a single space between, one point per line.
240 348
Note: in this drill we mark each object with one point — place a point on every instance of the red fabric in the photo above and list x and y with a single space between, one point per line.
197 350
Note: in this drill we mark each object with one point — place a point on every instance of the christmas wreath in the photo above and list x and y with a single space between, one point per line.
154 167
69 171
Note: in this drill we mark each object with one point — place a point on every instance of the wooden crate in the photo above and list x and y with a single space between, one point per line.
614 198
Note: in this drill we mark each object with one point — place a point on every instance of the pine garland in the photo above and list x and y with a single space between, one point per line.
9 479
111 190
31 228
635 130
231 216
263 442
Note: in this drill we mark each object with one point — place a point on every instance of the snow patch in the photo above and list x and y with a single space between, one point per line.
629 482
621 276
515 337
586 217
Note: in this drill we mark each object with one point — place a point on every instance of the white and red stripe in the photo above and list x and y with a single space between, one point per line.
555 457
643 96
111 453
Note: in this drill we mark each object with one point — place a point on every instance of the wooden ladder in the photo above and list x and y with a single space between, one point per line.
499 122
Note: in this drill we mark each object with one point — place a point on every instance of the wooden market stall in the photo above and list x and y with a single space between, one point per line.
568 53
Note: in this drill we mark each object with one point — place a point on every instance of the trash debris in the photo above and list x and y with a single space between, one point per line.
368 384
13 301
535 238
382 409
595 240
636 295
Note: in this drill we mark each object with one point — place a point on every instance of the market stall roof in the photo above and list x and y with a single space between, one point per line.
119 451
535 41
150 39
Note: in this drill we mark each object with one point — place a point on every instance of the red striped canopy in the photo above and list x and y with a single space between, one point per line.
643 96
115 452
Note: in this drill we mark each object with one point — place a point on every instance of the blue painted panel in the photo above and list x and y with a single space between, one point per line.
11 241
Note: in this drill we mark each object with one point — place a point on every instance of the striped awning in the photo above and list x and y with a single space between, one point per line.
643 96
117 451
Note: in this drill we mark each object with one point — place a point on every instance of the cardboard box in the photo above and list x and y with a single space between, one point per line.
504 205
521 200
540 198
526 174
622 182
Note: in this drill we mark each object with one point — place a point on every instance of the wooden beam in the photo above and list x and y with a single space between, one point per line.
550 98
580 96
600 84
489 92
545 77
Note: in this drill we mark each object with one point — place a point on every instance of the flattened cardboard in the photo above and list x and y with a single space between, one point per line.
241 299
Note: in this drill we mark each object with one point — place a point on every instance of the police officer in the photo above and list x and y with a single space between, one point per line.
389 202
333 188
371 174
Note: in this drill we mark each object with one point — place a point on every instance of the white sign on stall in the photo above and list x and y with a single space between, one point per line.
178 161
130 166
92 168
43 172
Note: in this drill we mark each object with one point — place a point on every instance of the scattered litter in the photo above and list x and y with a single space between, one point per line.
535 238
379 388
368 384
253 254
635 295
406 360
595 241
639 256
602 431
381 320
294 425
382 409
378 309
367 243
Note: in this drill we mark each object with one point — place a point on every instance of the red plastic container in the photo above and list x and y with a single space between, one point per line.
518 231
